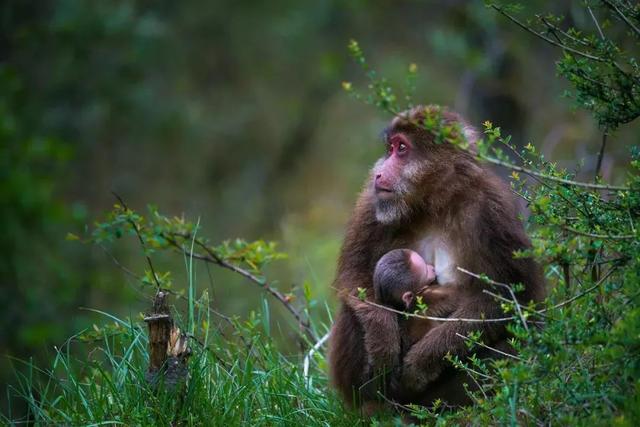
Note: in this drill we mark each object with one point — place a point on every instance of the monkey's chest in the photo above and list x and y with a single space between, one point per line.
436 251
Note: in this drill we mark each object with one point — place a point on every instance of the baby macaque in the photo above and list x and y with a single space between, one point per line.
400 277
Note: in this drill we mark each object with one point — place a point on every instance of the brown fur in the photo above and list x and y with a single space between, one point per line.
475 212
441 301
394 279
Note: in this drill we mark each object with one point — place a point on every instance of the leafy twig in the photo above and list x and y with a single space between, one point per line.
144 246
554 178
212 257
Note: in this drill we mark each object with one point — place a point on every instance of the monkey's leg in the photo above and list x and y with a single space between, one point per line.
347 356
358 373
381 334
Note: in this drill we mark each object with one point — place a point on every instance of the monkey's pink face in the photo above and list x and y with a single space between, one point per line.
394 178
388 174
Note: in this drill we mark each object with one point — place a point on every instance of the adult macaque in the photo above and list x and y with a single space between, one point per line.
435 198
401 277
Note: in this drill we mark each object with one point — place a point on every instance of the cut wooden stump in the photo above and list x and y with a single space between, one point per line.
168 347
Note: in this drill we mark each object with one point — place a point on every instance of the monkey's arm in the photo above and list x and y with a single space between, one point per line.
441 300
425 361
381 332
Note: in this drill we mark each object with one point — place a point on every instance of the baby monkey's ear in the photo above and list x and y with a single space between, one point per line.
407 298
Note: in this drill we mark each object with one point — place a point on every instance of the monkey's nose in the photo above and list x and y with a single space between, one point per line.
378 175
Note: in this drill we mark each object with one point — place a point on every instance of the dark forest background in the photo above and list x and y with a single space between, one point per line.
231 112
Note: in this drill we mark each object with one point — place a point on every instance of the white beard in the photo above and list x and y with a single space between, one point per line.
391 211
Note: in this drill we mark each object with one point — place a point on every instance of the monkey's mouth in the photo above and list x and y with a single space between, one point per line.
383 191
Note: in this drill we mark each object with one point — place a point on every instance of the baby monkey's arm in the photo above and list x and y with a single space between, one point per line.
441 300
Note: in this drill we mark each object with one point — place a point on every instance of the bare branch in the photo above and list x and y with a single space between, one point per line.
118 264
307 358
557 29
595 21
543 37
601 154
622 16
562 304
439 319
504 286
490 348
600 236
583 293
507 300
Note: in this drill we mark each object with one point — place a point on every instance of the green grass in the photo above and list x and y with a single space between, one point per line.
240 378
239 373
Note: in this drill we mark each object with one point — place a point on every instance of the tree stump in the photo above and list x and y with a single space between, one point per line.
168 347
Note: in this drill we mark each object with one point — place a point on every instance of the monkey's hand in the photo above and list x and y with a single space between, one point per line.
426 359
418 370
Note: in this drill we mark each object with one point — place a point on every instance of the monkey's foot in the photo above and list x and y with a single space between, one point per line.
416 376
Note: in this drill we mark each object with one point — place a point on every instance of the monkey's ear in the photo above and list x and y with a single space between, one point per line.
407 298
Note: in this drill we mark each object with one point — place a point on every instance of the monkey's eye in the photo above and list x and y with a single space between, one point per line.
402 148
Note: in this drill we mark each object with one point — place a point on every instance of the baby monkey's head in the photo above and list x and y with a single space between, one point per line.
401 275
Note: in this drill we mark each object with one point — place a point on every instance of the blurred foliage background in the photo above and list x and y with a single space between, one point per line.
231 112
